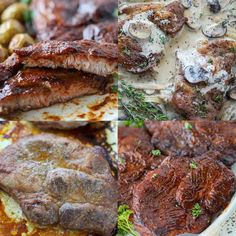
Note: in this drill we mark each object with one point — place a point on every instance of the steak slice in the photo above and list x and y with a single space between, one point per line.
145 32
57 180
136 158
203 77
216 138
63 20
164 201
35 88
85 55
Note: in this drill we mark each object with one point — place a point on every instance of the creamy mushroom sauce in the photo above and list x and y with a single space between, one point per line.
159 84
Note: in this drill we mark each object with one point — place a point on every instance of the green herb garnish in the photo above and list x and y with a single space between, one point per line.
26 1
232 49
156 152
125 227
196 210
187 125
151 40
193 165
28 16
210 61
143 65
163 39
126 51
134 123
218 98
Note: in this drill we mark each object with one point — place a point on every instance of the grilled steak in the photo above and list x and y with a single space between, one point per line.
63 20
143 35
34 88
173 138
60 181
203 77
85 55
165 200
135 150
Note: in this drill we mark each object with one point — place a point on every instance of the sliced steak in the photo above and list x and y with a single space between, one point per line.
145 32
58 180
203 77
135 159
216 138
85 55
35 88
164 201
63 20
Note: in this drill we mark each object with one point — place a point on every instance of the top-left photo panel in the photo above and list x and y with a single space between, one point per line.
58 60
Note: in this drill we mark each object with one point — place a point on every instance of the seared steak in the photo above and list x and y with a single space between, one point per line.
34 88
143 35
60 181
203 77
164 201
173 138
63 20
85 55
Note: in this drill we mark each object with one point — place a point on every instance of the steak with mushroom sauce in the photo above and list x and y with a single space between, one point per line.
136 159
63 20
60 181
84 55
144 33
177 198
34 88
195 138
203 77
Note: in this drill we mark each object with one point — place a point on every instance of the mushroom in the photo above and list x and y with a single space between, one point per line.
231 93
187 3
140 29
195 74
214 6
215 30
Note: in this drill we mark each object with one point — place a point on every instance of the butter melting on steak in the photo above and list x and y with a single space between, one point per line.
58 180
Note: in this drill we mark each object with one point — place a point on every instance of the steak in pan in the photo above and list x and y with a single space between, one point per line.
57 180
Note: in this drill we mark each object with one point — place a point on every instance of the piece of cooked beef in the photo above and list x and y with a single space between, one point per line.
203 76
35 88
135 159
63 20
195 138
58 180
165 200
145 31
85 55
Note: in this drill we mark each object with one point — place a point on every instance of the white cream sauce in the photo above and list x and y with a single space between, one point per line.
158 85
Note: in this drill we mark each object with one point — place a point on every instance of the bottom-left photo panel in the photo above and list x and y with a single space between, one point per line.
58 178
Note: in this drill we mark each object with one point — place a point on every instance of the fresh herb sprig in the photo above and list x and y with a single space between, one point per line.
125 226
196 210
135 107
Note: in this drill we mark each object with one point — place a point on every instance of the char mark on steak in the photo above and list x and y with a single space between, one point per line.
58 180
174 139
69 18
84 55
35 88
164 201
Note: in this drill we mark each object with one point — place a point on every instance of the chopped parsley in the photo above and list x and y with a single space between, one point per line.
163 39
196 210
154 176
134 123
125 226
232 49
210 61
127 51
151 40
143 65
193 165
218 98
156 152
187 125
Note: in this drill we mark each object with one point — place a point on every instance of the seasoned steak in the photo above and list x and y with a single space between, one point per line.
203 77
195 138
85 55
58 180
145 31
136 158
35 88
165 200
63 20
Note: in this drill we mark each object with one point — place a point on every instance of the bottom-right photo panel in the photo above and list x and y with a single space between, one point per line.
177 178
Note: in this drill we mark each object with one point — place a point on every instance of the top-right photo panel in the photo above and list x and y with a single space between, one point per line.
177 60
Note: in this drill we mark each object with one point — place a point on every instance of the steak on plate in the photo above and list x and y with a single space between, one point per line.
57 180
34 88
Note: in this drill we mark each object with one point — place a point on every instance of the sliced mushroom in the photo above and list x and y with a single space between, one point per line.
140 29
214 5
215 30
195 74
187 3
232 92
